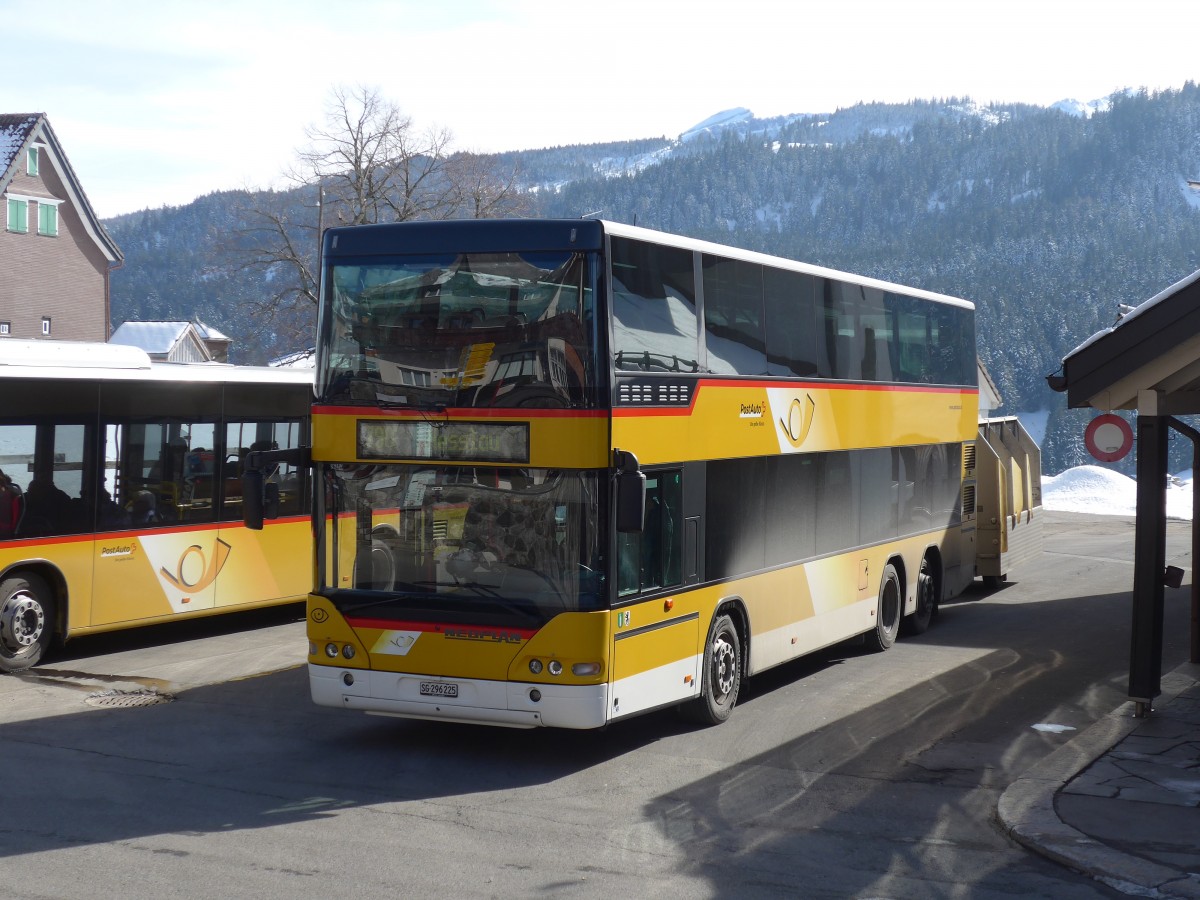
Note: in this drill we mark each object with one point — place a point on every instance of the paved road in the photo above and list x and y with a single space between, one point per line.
849 774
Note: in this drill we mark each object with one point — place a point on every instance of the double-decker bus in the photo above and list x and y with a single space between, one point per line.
572 471
121 491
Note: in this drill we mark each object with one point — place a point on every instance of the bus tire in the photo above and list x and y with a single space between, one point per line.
918 622
721 678
887 611
26 621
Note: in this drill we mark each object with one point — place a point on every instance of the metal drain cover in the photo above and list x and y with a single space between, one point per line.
126 699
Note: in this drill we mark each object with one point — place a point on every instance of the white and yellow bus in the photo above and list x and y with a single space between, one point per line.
573 471
121 492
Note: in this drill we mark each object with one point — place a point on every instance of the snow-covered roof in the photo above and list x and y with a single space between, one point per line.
153 337
300 359
15 129
208 333
1154 346
20 130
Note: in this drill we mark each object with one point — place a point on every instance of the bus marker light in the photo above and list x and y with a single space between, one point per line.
687 679
555 667
668 604
583 669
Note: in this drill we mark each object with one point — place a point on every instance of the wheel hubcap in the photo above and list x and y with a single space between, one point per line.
22 621
723 666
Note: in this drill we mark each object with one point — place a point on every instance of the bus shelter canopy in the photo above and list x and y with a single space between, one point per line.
1153 347
1148 360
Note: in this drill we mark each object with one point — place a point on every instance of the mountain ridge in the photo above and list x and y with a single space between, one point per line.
1047 218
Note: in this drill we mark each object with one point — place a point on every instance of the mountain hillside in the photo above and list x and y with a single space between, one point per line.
1046 218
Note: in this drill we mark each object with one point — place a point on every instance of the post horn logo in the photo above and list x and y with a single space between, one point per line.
799 419
210 569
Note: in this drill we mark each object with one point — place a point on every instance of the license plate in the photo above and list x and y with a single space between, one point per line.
438 689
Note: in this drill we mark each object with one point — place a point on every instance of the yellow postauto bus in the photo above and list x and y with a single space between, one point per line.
121 491
571 470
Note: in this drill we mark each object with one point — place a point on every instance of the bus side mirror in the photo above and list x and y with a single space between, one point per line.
253 499
631 494
260 497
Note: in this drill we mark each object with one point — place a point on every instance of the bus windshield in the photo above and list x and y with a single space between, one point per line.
466 330
503 539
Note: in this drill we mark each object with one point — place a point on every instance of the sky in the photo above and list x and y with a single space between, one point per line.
157 102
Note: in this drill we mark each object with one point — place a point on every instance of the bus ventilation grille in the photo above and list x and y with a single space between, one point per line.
968 500
127 699
968 457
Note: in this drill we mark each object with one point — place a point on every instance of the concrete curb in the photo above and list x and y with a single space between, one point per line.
1026 810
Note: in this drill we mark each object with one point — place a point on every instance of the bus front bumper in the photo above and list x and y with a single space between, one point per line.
513 704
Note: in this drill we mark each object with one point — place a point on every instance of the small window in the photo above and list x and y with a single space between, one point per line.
45 324
654 308
48 219
32 161
18 215
5 328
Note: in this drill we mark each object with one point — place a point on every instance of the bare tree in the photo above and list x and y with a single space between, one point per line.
365 163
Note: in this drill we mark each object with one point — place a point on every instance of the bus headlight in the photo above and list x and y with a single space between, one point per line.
348 651
555 667
535 666
331 650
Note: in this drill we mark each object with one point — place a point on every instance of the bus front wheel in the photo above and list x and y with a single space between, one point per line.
26 621
721 677
887 611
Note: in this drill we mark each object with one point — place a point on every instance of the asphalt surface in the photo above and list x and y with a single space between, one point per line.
993 756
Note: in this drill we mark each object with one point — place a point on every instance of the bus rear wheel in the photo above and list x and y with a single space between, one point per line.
918 622
887 611
26 621
721 678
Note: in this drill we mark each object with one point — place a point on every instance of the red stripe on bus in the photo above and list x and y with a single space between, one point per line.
460 412
650 409
435 627
138 532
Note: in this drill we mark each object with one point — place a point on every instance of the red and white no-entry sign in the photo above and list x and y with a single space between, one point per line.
1108 438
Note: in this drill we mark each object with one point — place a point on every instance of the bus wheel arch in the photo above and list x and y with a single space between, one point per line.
889 608
724 665
30 618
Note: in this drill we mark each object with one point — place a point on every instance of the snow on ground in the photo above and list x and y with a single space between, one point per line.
1093 489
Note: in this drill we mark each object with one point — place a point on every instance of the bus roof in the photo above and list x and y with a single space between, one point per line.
782 262
83 360
495 235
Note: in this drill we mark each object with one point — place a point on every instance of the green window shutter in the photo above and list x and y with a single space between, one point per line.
18 215
47 219
33 161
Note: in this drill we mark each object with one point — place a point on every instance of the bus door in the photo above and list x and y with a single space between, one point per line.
259 566
655 640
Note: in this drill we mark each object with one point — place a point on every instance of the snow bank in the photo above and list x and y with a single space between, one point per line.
1093 489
